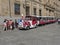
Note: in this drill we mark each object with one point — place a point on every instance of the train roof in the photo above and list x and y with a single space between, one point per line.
45 16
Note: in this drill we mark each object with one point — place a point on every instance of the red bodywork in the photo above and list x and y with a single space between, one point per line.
26 23
41 22
33 19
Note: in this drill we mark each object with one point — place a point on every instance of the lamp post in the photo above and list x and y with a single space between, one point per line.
10 9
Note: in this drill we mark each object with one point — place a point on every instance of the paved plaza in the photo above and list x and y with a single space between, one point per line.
43 35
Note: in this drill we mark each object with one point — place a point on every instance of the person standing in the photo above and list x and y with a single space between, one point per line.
12 25
8 26
16 24
4 25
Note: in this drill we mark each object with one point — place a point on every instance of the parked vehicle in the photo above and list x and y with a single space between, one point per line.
52 19
38 20
42 20
32 20
23 24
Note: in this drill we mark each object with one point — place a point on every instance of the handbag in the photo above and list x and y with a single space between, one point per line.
10 27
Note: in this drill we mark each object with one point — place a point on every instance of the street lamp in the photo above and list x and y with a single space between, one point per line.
10 9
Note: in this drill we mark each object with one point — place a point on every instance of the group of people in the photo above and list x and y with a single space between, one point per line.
9 24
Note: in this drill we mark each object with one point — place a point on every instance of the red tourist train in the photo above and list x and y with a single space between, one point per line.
33 21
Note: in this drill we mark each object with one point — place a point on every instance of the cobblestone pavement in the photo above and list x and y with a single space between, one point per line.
43 35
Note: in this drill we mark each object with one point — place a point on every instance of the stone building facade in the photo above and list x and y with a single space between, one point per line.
15 8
